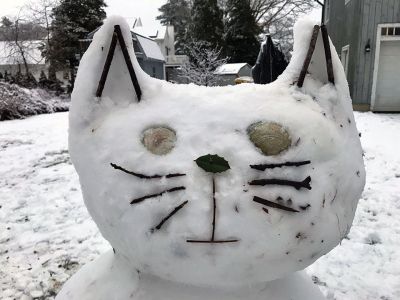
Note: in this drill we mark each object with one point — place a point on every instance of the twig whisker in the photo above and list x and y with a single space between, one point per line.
263 167
273 204
141 199
296 184
142 176
170 215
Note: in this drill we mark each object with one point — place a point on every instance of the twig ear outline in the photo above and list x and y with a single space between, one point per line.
118 37
311 49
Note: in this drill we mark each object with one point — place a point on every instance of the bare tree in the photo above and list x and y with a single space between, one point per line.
24 34
277 18
203 61
17 48
269 11
40 14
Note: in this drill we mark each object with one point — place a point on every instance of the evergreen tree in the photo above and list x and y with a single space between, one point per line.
72 20
43 81
6 22
6 77
242 30
176 13
28 81
207 23
1 76
17 78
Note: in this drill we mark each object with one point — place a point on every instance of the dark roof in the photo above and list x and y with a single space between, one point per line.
145 47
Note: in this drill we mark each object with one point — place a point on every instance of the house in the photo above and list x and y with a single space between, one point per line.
11 60
164 36
228 73
148 54
366 34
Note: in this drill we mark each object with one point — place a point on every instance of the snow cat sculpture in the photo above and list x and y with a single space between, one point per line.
212 192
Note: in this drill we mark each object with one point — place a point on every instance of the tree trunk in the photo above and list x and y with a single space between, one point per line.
71 75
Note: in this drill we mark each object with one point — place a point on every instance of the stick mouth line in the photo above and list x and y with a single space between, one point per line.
228 241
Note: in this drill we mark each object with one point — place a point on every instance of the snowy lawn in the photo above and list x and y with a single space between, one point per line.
46 233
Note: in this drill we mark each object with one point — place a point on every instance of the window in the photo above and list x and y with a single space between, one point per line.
154 72
327 7
346 1
345 58
390 31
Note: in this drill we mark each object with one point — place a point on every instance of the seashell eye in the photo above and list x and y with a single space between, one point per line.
159 140
271 138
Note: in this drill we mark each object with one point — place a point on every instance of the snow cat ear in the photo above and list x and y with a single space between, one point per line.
314 55
109 73
318 60
118 38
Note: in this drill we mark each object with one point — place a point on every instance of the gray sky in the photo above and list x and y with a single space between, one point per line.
130 9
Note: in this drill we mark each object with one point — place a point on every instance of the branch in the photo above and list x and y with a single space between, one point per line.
320 3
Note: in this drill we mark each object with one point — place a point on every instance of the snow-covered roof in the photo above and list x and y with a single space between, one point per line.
150 48
230 69
154 33
148 32
9 54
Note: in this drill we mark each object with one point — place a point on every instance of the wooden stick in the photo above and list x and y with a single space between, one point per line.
142 176
310 53
214 210
296 184
176 209
305 207
273 204
128 61
211 242
141 199
263 167
107 66
328 54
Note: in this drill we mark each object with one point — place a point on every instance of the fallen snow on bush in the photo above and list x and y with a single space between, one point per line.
46 233
17 102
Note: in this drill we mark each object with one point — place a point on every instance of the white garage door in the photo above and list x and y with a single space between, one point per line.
388 82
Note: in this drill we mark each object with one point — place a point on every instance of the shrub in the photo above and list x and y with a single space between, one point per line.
17 102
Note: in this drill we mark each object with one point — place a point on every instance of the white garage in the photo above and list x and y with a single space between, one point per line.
386 85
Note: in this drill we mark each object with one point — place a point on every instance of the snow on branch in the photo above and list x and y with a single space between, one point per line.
203 61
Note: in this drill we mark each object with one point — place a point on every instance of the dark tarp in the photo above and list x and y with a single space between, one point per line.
270 63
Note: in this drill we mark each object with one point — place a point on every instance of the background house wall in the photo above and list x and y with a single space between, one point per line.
356 24
12 62
153 68
35 69
164 36
149 56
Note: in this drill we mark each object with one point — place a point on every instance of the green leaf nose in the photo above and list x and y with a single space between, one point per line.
212 163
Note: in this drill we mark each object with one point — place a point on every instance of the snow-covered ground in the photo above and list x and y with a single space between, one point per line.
46 233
